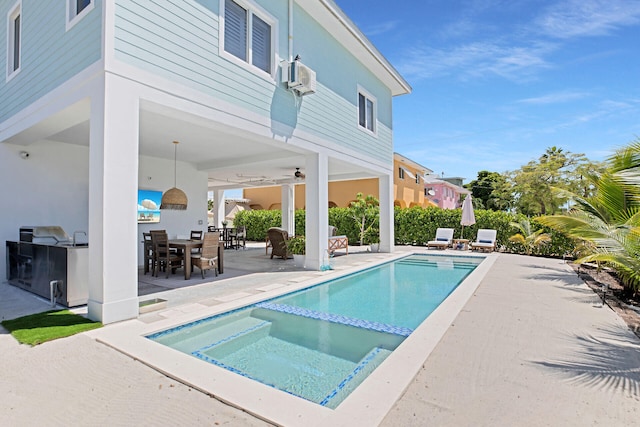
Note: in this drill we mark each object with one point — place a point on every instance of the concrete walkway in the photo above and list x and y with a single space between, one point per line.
533 346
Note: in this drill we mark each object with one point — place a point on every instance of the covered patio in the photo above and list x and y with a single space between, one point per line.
107 145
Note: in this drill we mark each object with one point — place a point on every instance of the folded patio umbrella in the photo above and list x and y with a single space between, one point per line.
468 217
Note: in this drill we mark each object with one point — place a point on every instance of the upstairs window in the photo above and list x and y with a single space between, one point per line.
76 10
248 34
14 40
417 179
401 173
366 111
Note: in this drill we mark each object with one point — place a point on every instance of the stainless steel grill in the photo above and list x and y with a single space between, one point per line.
52 234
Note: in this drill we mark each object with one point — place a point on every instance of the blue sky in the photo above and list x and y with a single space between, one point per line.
496 82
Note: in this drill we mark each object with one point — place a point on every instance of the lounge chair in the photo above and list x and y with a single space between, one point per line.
277 239
337 242
443 238
485 241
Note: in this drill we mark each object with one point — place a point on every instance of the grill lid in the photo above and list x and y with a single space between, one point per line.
46 231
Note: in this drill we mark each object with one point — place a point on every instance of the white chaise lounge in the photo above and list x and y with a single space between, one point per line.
443 238
485 241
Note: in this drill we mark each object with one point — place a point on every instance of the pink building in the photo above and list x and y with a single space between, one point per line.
443 193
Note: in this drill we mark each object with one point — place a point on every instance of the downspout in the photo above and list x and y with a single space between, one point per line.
290 35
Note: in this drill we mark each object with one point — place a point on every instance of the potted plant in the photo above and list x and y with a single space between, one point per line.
297 246
372 238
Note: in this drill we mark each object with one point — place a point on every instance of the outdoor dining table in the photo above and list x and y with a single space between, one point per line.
186 245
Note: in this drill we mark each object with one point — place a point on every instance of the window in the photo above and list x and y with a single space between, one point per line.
14 40
366 111
248 34
76 10
417 179
401 173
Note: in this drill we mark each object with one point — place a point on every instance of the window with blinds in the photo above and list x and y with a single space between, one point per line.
366 111
14 45
247 36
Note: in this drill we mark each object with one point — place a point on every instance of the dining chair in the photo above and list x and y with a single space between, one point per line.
237 235
148 253
195 235
208 258
163 256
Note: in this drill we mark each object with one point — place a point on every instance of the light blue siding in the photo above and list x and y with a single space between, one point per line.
334 110
178 39
50 54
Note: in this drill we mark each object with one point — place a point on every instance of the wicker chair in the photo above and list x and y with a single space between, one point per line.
208 258
278 238
163 257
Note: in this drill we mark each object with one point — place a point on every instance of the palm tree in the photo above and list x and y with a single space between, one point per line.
609 221
527 237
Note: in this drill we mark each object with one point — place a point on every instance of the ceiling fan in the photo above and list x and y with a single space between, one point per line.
298 174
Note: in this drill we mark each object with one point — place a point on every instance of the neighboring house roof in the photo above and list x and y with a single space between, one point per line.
413 165
347 33
430 180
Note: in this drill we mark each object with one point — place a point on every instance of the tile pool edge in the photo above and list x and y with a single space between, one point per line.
367 405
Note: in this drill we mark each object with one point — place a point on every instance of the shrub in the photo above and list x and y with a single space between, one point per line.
416 226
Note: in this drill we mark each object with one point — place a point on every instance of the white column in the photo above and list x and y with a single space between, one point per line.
288 207
385 189
113 184
317 211
218 207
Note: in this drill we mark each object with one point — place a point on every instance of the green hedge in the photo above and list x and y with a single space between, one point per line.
415 226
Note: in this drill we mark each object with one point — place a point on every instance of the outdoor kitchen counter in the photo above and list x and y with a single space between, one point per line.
33 266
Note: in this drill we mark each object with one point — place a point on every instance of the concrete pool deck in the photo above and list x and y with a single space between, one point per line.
532 346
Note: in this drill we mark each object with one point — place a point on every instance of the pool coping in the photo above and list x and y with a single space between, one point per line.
368 404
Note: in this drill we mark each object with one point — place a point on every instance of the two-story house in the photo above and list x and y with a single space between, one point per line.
408 189
446 193
94 92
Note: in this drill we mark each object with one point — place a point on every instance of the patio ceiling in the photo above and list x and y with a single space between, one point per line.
233 158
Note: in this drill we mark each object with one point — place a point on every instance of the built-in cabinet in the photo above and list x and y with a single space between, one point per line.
33 266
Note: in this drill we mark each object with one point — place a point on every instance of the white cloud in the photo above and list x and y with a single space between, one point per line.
477 59
380 28
554 98
583 18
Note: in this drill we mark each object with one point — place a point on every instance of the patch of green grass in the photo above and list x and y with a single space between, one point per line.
49 325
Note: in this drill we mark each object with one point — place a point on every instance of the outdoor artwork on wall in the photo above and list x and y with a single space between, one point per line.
149 206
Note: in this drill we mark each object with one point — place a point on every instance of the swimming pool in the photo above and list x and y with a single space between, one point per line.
320 343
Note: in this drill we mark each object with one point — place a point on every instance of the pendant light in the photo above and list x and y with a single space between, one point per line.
174 198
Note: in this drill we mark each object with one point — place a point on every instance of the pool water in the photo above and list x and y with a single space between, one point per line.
320 343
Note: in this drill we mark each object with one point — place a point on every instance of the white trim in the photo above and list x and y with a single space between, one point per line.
408 172
254 9
13 13
368 96
72 17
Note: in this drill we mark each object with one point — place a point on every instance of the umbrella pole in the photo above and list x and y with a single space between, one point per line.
462 233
